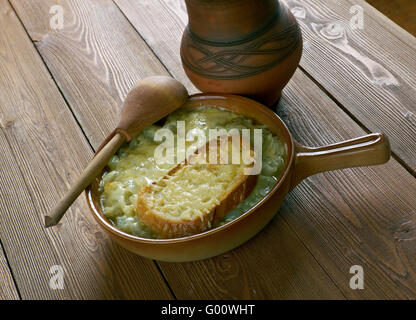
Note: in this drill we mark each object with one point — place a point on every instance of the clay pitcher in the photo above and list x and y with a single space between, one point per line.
245 47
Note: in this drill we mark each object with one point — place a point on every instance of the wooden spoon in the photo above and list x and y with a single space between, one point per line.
149 101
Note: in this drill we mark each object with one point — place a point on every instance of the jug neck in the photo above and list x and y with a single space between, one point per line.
226 21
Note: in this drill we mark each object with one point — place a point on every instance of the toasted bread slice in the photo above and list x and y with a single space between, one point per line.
195 195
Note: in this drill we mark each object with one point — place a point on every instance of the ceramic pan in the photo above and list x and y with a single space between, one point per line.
301 162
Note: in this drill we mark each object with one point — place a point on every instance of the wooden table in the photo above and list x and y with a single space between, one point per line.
60 92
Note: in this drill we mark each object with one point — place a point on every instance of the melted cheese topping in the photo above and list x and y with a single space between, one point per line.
180 196
195 189
134 166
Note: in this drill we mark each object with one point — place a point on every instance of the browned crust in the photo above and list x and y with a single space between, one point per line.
234 197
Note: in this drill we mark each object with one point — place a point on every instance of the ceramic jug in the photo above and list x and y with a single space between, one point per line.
245 47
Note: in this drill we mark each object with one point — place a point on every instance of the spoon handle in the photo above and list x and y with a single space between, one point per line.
91 171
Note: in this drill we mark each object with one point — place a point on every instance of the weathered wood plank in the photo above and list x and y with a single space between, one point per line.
42 150
386 22
369 71
401 12
344 218
8 290
63 52
272 265
96 58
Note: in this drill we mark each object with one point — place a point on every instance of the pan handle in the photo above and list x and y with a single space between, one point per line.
368 150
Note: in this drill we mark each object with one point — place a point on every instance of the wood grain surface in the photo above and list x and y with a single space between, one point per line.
362 216
43 149
402 12
343 218
369 71
8 290
170 17
95 59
